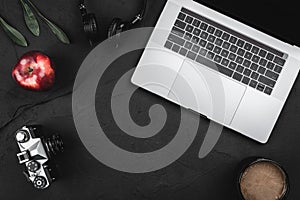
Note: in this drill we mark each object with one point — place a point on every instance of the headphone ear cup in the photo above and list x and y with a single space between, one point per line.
114 26
90 24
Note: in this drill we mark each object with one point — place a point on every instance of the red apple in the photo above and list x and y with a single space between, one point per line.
34 71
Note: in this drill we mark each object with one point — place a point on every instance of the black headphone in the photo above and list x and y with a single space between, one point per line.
117 25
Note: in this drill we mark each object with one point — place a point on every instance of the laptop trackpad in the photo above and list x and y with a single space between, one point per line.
205 91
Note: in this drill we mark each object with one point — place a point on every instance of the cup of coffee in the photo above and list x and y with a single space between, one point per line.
262 179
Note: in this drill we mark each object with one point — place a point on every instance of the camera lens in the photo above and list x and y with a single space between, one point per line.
54 144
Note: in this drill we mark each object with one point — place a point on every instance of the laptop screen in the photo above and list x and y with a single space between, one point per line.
273 17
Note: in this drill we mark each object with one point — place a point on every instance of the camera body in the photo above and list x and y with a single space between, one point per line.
36 153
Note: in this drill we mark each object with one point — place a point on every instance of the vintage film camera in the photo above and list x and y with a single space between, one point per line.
36 153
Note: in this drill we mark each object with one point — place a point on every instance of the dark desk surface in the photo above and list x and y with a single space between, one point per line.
83 177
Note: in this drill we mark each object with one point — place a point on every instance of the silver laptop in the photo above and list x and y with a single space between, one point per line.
214 65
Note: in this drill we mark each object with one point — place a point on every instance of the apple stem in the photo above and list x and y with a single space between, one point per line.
30 69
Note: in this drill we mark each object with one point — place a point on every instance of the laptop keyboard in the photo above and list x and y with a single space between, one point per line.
227 51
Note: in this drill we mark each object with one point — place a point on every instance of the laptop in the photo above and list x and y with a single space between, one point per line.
211 64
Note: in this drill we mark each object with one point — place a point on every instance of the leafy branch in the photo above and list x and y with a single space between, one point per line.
59 33
33 25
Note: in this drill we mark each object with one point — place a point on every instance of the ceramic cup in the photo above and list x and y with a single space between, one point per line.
262 179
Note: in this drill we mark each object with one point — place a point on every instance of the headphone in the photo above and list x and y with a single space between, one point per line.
117 25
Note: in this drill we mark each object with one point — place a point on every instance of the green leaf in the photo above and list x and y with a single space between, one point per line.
30 19
13 34
59 33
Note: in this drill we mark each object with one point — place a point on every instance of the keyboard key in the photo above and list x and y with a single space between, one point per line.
232 39
225 62
255 50
196 23
226 45
240 43
204 35
279 61
203 26
254 75
195 48
240 69
232 65
180 24
211 30
225 36
263 62
176 39
217 50
232 56
218 33
278 69
268 90
210 46
261 70
203 52
255 59
253 83
188 36
168 45
211 38
202 43
188 45
246 63
237 76
191 55
224 53
272 75
233 48
262 53
225 71
214 66
183 51
267 81
270 57
247 72
270 65
246 80
195 40
254 66
189 28
248 55
188 19
239 60
175 48
241 52
196 32
260 87
181 16
210 55
219 42
217 59
177 31
248 46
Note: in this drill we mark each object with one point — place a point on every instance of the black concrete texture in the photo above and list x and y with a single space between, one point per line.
80 176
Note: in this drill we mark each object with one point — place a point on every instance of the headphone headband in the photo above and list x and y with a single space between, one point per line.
141 14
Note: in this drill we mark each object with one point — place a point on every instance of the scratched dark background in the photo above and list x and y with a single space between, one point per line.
80 176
